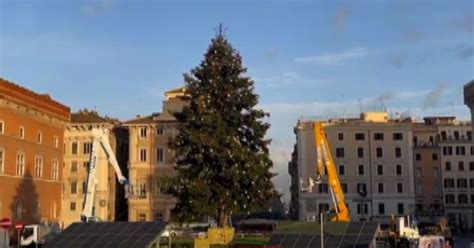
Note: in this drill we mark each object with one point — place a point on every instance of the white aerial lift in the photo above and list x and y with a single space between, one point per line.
100 140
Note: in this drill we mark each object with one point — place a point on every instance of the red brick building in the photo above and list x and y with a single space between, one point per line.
31 154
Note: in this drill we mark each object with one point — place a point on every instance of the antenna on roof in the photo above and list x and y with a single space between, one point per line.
360 106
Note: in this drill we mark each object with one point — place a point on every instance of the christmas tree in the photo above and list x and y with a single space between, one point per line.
221 152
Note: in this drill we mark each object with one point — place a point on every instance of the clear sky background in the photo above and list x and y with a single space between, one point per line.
308 58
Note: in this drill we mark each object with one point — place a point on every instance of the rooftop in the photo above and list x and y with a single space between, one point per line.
42 102
85 116
142 119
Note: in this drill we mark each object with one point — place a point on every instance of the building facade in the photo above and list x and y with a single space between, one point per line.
457 161
427 162
78 140
374 159
31 133
150 158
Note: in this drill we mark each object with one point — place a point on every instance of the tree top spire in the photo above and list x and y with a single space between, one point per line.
220 30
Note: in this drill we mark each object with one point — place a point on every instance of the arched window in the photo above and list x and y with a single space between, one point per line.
18 210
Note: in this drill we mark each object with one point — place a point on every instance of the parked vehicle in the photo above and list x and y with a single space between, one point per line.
37 235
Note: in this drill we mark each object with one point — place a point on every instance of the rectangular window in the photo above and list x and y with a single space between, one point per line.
418 157
159 216
461 166
435 156
87 148
378 136
39 137
359 136
397 136
462 183
141 217
340 136
400 188
72 206
323 188
159 155
462 199
20 164
56 141
379 152
22 133
469 135
399 169
449 199
472 199
84 187
362 189
73 188
471 166
443 135
74 147
361 169
342 170
142 155
339 152
362 208
448 166
398 152
344 187
400 208
85 164
73 166
448 183
323 207
159 131
381 208
379 169
55 170
2 160
2 127
360 152
143 132
380 188
38 166
471 183
436 172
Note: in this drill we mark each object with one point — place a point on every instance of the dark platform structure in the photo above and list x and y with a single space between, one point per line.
109 234
352 235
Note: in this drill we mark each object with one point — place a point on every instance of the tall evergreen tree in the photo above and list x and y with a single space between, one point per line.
222 156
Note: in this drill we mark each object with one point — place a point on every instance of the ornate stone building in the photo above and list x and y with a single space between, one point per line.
31 136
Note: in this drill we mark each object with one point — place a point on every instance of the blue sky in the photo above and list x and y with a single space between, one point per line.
308 58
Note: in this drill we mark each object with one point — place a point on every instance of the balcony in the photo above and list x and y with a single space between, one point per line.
137 191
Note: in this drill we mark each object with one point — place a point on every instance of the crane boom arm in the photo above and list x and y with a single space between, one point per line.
100 140
326 160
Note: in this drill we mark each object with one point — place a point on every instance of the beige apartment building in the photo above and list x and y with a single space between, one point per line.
374 158
150 158
109 202
457 161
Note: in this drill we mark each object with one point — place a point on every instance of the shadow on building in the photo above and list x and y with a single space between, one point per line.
25 205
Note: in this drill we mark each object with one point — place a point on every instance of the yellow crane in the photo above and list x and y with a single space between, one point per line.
325 162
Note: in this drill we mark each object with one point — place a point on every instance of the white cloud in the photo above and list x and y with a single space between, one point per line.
334 58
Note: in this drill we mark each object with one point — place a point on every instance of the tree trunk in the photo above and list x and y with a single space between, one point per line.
221 216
